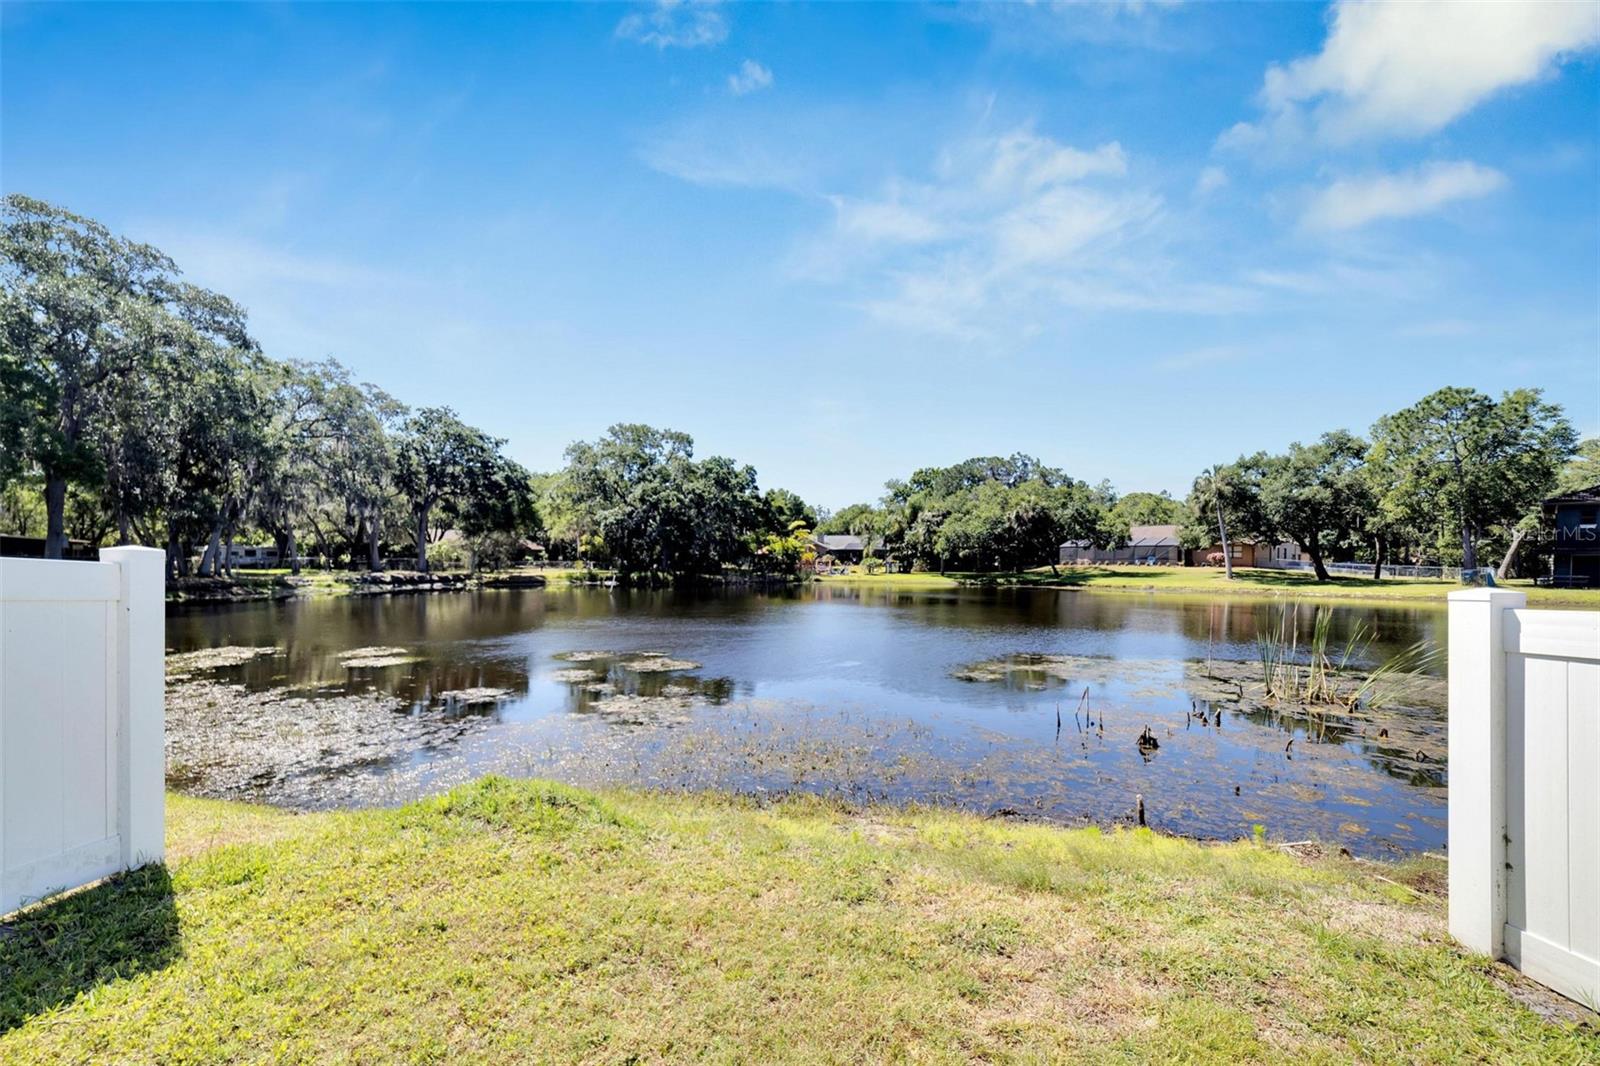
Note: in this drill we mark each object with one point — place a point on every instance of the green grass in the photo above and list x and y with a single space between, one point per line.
532 922
1212 581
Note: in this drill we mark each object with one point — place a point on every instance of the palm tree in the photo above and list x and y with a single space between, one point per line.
1212 485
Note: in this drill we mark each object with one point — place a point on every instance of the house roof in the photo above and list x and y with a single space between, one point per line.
1139 537
1153 537
844 542
1588 495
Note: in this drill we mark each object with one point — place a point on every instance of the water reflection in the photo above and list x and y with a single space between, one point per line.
854 690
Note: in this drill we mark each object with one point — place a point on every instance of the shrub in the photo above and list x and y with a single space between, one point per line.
447 555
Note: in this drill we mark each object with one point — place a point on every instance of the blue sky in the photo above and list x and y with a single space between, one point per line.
840 242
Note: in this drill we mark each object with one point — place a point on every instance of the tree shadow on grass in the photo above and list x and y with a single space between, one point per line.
49 955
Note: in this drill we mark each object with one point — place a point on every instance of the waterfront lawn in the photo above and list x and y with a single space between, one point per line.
532 922
1212 581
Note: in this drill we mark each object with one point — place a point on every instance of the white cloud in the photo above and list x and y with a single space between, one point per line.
1023 161
1003 235
1210 180
714 155
1035 26
676 24
1058 224
1007 233
888 221
1352 202
1410 67
750 77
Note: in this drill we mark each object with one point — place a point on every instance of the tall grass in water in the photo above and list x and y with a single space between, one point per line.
1316 680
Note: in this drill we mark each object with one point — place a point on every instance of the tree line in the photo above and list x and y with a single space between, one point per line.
1439 482
137 407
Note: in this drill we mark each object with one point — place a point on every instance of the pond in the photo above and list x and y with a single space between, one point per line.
1024 702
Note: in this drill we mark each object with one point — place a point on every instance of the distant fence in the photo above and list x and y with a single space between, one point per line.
1524 832
81 720
1450 573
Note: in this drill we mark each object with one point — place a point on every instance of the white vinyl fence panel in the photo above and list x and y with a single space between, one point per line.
81 720
1525 787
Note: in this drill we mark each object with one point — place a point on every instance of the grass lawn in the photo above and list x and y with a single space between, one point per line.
531 922
1211 581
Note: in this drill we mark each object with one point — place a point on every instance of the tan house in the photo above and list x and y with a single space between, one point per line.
1248 551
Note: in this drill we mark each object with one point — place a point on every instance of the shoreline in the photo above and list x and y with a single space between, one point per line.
1209 584
1184 582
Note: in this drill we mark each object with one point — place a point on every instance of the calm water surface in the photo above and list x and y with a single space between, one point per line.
826 689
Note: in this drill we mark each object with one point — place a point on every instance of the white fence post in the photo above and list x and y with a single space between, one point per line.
141 709
1477 745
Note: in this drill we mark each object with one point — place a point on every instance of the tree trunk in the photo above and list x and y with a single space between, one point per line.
1469 549
373 562
422 540
1227 555
1379 549
173 550
1511 553
123 534
1313 548
55 507
292 550
208 559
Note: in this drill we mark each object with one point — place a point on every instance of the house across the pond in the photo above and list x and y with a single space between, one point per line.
1248 551
844 547
248 555
1575 547
1146 546
1159 546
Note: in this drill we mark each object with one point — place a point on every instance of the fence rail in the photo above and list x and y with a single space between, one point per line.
81 720
1451 573
1524 832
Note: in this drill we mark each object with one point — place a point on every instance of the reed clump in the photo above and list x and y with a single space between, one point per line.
1322 674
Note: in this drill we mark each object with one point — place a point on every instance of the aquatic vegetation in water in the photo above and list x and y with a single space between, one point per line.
376 658
185 664
655 663
228 742
1320 678
474 697
576 675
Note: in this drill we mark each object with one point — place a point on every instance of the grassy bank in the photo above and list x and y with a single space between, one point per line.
526 921
1211 581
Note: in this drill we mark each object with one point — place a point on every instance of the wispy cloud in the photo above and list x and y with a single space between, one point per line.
750 77
1407 69
1005 233
1352 202
1035 26
715 153
676 24
1210 180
